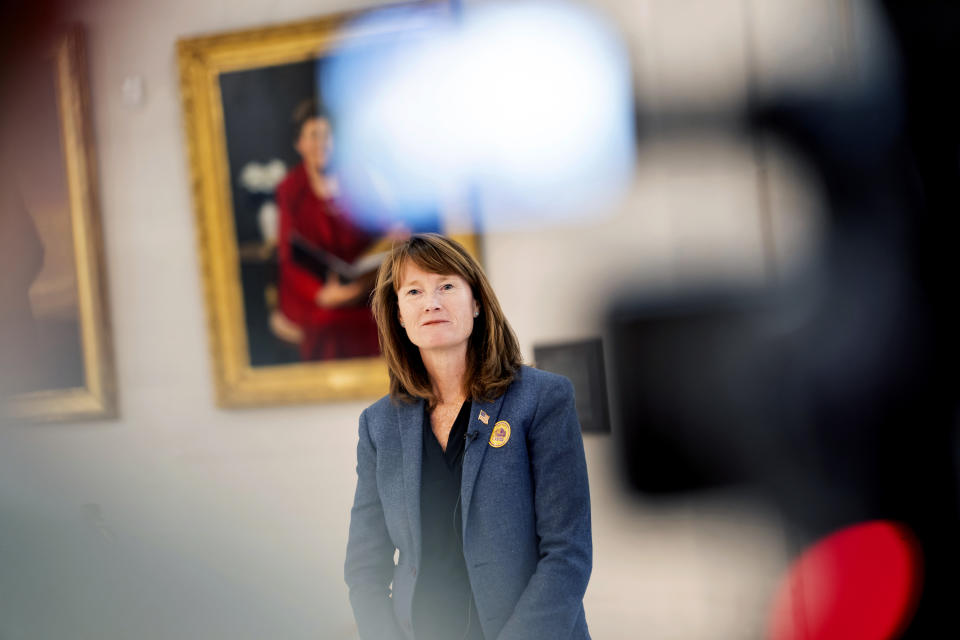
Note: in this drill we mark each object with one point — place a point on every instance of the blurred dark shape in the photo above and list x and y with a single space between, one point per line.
24 24
686 379
836 392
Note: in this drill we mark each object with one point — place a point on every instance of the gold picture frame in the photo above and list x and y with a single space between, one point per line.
205 63
94 397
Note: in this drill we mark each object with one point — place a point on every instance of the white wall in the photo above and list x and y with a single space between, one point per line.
180 520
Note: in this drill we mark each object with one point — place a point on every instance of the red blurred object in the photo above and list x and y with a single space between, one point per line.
860 583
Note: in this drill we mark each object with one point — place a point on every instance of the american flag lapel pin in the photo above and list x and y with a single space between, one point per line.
484 418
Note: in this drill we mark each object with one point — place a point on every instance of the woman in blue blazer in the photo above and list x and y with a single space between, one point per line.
472 468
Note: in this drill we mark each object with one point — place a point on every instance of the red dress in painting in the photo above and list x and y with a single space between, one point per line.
344 332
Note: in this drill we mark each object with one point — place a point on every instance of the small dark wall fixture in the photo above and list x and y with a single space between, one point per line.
582 363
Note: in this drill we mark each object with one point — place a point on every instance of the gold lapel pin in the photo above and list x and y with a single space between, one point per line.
500 435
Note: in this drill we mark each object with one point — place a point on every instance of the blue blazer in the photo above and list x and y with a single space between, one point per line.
525 508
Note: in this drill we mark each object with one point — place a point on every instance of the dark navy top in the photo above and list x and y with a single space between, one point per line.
443 606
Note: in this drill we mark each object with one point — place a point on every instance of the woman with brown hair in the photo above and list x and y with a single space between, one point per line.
472 468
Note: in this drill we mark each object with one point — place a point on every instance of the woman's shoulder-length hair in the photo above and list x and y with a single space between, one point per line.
493 352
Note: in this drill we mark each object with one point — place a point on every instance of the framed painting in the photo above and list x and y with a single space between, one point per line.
56 359
287 265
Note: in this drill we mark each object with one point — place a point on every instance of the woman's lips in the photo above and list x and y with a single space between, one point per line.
429 322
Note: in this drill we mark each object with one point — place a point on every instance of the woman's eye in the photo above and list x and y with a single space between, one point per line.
447 287
413 292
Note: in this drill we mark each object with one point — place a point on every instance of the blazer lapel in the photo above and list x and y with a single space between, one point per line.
411 441
476 448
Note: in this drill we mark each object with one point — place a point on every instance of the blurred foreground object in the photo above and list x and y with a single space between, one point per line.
527 105
860 582
836 391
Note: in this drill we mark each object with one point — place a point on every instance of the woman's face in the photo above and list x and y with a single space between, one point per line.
436 310
315 143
